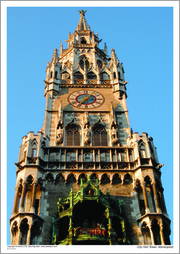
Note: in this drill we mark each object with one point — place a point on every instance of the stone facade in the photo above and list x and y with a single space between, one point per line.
86 135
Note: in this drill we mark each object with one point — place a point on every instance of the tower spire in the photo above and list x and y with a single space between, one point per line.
82 25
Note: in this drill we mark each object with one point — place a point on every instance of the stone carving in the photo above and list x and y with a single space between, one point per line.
87 129
114 138
87 135
59 136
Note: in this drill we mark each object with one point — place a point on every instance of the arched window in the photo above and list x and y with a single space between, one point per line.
146 234
73 136
114 74
91 75
24 227
83 41
78 75
81 63
14 231
99 64
65 75
51 74
100 136
83 177
127 179
150 194
116 179
105 179
119 75
156 232
55 74
104 76
140 196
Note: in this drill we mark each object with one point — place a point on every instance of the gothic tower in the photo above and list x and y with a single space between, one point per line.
86 178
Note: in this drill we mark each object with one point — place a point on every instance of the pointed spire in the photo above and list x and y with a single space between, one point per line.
105 49
82 25
61 110
113 117
60 116
55 56
61 49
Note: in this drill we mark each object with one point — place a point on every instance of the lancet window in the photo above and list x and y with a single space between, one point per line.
78 75
24 227
91 75
100 136
104 76
73 136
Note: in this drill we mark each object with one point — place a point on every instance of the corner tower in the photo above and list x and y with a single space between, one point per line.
86 178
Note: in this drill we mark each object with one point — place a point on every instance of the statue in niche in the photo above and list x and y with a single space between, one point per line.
59 137
87 134
114 133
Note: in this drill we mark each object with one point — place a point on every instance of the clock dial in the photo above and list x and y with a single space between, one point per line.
86 99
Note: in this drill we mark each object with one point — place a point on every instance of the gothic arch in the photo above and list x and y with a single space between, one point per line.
105 179
49 177
150 193
65 75
140 195
104 75
83 40
73 134
59 179
84 178
99 64
156 232
91 75
146 234
35 231
30 179
116 179
24 227
71 178
93 177
99 134
78 75
127 179
166 232
142 149
14 232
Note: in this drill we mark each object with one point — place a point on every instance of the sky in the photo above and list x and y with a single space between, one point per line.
143 40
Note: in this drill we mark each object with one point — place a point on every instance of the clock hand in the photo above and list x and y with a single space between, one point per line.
86 98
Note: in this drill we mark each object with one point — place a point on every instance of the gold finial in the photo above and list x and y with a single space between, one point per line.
82 12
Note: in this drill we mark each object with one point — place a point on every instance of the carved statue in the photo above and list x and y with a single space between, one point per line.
59 137
87 135
114 137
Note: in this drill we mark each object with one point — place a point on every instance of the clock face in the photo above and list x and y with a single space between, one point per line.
86 99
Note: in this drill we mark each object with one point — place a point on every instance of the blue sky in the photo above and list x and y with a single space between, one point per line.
143 40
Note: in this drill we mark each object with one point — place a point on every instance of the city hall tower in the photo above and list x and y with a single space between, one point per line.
86 178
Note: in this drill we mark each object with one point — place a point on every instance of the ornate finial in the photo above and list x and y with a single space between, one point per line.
82 12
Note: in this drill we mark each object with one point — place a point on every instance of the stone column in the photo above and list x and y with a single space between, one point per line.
41 214
158 210
152 235
145 198
162 235
28 235
33 197
15 207
23 197
127 155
